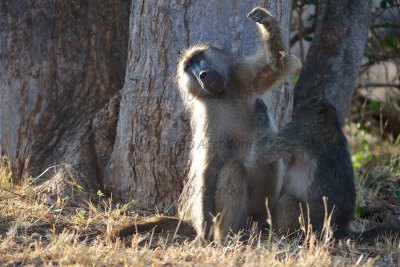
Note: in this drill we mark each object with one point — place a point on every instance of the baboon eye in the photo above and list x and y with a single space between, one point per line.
198 55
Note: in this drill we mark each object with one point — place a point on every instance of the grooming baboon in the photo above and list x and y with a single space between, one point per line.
220 94
320 167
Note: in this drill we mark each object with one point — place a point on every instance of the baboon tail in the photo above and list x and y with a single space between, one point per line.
382 230
160 224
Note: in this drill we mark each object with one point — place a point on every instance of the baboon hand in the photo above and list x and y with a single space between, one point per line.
260 15
261 111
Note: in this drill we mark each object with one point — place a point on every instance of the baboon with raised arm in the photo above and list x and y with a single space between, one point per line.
219 92
320 167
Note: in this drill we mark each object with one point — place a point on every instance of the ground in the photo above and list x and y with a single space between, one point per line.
36 232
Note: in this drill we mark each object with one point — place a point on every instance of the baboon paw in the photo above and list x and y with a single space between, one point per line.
260 15
261 111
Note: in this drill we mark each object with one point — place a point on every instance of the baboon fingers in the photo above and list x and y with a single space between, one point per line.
260 15
261 110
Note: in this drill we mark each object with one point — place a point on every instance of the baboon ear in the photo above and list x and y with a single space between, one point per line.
261 110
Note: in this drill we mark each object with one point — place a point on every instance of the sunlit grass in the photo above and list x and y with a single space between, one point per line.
33 232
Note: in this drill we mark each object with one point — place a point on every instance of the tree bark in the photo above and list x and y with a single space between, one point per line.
151 152
334 57
62 64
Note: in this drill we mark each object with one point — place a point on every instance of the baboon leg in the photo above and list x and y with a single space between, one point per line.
285 218
230 200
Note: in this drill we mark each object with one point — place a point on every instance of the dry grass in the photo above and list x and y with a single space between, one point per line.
34 233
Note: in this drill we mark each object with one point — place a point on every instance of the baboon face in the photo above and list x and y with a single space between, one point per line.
317 111
209 69
313 109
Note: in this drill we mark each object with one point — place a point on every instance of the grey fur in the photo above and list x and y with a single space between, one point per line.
320 167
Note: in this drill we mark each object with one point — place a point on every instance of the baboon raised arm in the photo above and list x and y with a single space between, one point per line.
217 72
271 64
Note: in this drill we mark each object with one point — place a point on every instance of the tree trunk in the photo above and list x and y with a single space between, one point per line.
62 64
335 54
151 152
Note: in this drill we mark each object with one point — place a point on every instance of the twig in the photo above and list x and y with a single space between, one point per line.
52 206
384 26
378 85
298 36
17 194
40 175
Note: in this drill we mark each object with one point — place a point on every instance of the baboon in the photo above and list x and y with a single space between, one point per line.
220 93
320 167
